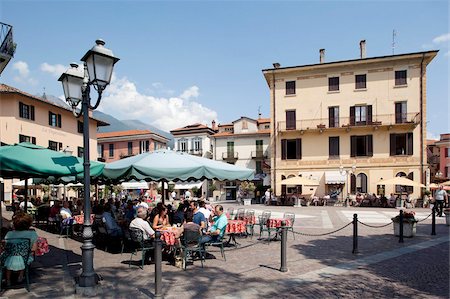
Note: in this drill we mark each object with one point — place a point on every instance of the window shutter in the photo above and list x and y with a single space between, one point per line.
352 115
147 145
392 145
352 146
330 147
21 109
352 183
331 117
369 114
32 112
49 118
33 140
59 120
409 146
369 140
60 146
283 149
298 154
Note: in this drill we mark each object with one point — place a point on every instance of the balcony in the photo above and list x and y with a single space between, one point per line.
230 156
7 45
259 155
196 152
347 123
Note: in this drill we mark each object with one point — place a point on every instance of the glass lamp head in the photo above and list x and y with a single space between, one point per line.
72 82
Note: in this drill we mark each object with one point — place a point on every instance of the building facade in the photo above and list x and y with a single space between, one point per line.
28 118
195 139
245 142
444 155
113 146
433 158
367 112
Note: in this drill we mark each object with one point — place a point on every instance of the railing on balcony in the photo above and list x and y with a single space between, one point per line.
7 45
259 154
230 156
348 122
196 152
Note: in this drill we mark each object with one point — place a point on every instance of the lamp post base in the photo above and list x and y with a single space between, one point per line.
88 291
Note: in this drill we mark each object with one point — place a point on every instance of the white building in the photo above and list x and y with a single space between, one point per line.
195 139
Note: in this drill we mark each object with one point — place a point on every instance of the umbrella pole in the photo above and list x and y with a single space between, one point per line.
25 206
163 197
2 199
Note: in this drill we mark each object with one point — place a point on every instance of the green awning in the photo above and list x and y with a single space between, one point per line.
26 160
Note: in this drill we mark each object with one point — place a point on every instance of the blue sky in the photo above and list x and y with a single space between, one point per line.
185 62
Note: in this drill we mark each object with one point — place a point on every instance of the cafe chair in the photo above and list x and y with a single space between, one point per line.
240 214
250 222
290 226
16 248
191 244
138 242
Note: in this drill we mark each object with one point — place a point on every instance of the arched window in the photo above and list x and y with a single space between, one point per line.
352 183
361 183
400 188
283 187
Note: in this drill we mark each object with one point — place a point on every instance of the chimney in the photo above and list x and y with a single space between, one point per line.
322 55
276 65
362 48
213 125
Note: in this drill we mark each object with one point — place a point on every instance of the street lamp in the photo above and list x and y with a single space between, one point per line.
98 65
347 172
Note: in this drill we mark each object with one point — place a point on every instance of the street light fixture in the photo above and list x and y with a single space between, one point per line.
98 67
347 172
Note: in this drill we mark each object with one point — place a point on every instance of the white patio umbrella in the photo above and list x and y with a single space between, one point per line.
298 180
400 181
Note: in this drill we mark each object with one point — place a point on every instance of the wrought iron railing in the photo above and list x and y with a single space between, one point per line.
230 156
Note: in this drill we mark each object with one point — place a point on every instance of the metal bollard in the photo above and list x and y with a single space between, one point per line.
283 246
355 234
158 262
433 221
400 240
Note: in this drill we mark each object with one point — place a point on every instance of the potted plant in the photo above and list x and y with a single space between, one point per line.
246 188
409 224
447 216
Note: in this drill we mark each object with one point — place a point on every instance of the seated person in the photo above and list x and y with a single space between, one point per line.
54 211
21 223
112 227
139 222
190 225
178 217
217 230
65 212
161 219
199 218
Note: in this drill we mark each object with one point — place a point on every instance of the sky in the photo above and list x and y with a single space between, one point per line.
184 62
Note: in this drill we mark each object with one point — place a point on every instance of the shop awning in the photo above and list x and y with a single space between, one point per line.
134 185
334 177
187 185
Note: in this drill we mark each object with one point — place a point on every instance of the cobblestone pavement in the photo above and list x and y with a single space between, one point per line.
319 267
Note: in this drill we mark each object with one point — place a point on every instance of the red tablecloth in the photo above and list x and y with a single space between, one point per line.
79 219
276 222
248 219
168 235
42 246
236 226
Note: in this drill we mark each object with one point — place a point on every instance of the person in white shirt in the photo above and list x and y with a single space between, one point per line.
65 212
204 211
268 197
173 195
29 204
187 195
143 225
142 203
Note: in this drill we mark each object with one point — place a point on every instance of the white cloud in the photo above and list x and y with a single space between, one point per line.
433 136
442 38
23 76
55 69
124 101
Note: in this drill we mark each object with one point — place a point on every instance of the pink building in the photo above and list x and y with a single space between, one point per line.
444 152
113 146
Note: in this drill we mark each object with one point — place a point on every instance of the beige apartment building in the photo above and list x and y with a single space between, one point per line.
28 118
366 115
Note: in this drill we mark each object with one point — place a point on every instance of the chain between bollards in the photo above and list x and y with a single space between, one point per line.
433 221
158 262
400 240
283 246
355 234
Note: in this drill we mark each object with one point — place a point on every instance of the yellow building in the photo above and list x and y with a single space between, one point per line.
364 115
28 118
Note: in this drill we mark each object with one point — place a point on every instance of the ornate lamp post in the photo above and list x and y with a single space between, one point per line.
347 172
98 67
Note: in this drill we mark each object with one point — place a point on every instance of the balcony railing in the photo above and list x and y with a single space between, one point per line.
7 45
230 156
196 152
259 154
349 122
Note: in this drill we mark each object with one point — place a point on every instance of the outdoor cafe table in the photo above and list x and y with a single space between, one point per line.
248 219
235 227
169 235
79 219
276 222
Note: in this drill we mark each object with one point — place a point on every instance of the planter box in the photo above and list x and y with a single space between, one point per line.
409 229
247 201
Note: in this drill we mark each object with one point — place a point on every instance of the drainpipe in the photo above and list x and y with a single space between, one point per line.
274 145
421 118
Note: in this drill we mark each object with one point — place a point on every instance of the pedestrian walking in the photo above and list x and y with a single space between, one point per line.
440 197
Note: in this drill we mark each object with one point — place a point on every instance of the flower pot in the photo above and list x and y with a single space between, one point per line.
247 201
409 229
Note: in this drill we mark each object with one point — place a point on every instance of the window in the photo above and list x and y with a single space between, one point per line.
290 120
447 152
130 148
290 87
258 167
24 138
361 146
361 183
333 117
111 149
333 147
144 146
230 148
291 149
100 149
53 145
54 120
333 84
400 113
26 111
447 171
400 188
197 144
401 144
360 115
267 127
360 81
182 145
259 145
80 126
80 152
400 78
